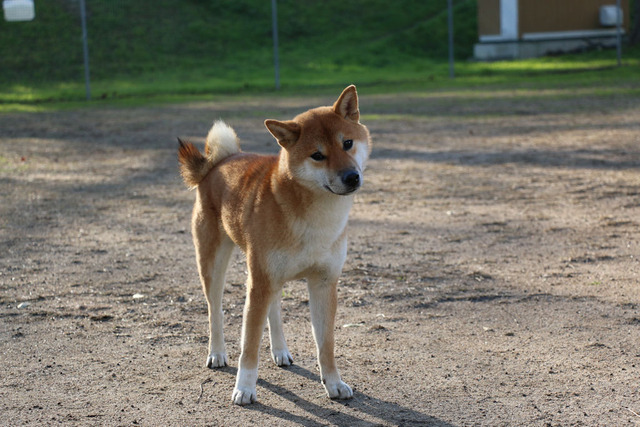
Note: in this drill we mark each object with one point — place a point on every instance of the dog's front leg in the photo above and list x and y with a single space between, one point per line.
322 301
255 315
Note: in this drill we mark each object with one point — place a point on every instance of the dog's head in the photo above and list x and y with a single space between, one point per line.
325 148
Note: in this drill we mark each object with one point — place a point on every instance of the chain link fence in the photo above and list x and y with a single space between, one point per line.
137 42
146 38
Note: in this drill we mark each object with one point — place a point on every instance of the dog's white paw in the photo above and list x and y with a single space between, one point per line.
244 396
217 360
282 357
338 390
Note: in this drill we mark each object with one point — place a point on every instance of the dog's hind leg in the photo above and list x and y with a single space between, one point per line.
213 251
279 350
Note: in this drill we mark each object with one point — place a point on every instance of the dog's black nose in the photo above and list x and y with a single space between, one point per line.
351 179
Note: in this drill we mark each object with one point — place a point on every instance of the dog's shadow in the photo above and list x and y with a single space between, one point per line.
335 414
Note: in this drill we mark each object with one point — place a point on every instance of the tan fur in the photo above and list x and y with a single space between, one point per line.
288 213
221 143
193 165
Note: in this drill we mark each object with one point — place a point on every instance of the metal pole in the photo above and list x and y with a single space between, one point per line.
274 27
85 49
619 32
451 60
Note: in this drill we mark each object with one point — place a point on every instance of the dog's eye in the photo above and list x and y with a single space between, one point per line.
347 144
318 156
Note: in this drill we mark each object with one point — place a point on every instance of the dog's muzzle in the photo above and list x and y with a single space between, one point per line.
351 180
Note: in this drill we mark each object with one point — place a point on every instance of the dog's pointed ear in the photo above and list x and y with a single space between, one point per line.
347 105
286 133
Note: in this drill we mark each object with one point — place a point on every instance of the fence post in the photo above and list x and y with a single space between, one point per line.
274 28
85 49
619 32
450 22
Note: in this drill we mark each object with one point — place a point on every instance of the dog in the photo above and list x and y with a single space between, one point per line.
288 213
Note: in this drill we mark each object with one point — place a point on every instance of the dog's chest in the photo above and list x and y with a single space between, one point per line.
318 242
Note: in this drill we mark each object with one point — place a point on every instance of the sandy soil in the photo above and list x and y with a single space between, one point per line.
492 276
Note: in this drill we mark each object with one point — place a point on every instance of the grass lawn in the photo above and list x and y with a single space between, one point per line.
172 51
594 72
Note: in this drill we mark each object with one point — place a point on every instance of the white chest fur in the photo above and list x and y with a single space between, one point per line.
318 241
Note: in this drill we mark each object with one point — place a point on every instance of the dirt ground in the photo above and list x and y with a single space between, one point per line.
492 276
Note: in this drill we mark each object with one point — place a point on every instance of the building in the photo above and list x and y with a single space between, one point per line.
510 29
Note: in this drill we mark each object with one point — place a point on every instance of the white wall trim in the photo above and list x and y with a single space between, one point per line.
495 38
509 19
569 34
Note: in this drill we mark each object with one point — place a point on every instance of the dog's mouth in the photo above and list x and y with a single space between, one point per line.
345 193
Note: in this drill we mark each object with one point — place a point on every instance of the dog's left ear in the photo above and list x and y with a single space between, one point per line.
347 105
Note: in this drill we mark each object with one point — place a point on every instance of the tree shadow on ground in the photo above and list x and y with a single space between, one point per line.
597 159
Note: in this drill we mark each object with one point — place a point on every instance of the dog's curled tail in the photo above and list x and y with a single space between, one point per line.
222 142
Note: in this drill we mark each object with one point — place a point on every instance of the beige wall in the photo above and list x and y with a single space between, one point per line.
537 16
488 17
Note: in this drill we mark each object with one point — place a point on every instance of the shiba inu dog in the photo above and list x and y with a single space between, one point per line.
288 213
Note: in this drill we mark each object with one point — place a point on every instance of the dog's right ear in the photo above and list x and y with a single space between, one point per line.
286 133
